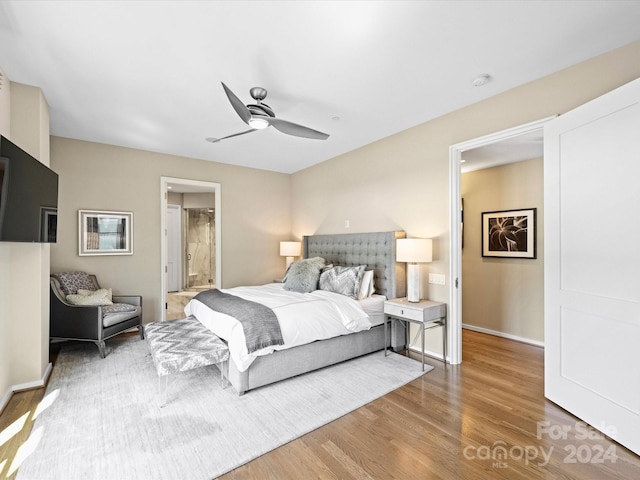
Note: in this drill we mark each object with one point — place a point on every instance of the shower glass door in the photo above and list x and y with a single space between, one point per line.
200 251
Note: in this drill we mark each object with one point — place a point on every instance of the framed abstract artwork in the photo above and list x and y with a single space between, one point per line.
105 233
509 233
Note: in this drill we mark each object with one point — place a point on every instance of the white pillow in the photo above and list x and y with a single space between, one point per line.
90 297
366 285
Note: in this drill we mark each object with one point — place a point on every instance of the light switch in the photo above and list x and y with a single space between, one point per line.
437 278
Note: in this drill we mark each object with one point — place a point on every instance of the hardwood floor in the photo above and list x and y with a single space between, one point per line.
449 424
445 425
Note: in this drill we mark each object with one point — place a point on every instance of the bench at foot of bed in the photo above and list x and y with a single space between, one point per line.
181 345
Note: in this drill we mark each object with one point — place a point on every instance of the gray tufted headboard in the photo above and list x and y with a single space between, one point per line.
375 250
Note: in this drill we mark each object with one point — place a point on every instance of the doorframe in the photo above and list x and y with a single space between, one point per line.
455 237
164 196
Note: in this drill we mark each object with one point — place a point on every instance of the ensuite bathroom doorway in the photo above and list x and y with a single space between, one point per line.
191 242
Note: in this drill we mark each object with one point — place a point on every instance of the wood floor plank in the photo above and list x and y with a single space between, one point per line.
448 424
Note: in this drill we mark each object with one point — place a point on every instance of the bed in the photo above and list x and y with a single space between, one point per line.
376 251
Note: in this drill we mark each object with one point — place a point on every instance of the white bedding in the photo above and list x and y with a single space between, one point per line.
303 317
373 306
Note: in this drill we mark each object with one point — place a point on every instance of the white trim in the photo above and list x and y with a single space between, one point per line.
503 135
454 315
164 183
455 247
5 399
530 341
21 387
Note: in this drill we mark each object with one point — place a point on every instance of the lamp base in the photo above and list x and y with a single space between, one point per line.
413 282
289 262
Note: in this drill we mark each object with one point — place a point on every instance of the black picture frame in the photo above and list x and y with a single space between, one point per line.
510 233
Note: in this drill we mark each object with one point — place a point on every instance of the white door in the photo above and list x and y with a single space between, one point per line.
174 248
592 263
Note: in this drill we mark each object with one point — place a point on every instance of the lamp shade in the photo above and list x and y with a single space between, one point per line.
290 249
414 250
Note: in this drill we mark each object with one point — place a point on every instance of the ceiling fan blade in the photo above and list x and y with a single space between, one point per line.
237 105
216 140
294 129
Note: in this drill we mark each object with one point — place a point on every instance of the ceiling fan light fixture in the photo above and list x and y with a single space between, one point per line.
258 123
260 116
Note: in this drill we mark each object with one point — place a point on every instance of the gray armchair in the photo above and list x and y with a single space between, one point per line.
91 323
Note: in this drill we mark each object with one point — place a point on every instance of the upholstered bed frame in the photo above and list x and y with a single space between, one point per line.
377 251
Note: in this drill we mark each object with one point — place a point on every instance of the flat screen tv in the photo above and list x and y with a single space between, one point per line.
28 197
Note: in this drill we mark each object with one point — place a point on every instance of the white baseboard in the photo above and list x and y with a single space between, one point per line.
21 387
427 353
5 399
530 341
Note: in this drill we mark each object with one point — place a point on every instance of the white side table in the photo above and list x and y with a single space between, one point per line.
425 313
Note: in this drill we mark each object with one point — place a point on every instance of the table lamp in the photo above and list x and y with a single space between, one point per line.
290 250
413 251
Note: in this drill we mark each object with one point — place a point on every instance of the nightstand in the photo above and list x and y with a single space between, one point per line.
425 313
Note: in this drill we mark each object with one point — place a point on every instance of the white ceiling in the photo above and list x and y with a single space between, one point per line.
147 74
515 149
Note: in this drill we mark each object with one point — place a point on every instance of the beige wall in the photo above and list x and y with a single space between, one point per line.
255 214
402 182
175 198
198 200
24 267
503 295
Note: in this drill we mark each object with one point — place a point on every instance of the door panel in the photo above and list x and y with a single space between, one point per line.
592 286
174 248
615 345
596 188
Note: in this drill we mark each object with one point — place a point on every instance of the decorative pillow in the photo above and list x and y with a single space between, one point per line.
303 275
103 291
118 308
70 282
90 297
342 280
366 285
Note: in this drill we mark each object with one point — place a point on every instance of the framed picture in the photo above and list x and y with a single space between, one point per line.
105 233
509 233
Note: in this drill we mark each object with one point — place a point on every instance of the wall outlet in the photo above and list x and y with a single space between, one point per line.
437 278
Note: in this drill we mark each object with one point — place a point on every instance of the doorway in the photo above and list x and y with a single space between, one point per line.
455 157
190 245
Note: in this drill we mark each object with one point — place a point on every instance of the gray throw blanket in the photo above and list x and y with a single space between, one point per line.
260 324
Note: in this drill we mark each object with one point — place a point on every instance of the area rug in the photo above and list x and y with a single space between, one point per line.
105 419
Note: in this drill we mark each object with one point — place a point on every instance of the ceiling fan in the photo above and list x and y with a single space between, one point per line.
260 115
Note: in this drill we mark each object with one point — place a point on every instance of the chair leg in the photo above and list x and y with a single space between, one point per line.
102 348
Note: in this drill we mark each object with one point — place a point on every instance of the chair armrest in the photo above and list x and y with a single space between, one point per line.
130 299
75 321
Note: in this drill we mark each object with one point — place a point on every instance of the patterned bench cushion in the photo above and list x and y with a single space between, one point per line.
180 345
